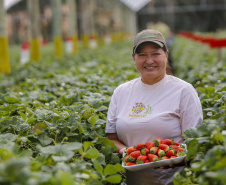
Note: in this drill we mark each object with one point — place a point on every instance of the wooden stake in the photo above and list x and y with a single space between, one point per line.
4 53
56 7
35 49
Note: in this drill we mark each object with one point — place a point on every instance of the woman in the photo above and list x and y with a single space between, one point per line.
155 105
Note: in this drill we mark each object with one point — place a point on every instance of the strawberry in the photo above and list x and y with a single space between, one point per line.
170 153
167 142
152 157
130 149
125 159
180 153
181 149
161 153
141 159
149 144
147 161
176 143
133 156
157 141
175 147
154 150
140 146
130 159
164 157
164 147
144 151
130 164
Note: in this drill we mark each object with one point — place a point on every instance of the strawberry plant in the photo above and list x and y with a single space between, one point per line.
206 144
53 115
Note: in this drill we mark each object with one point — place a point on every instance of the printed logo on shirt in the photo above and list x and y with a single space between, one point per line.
139 108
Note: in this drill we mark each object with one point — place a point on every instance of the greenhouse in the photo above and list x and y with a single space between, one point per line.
112 92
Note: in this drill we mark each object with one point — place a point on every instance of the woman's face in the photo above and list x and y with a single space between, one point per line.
151 62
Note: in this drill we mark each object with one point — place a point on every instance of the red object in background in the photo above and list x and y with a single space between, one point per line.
217 43
25 46
68 39
44 42
213 42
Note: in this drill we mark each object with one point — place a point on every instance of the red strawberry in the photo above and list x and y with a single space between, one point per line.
130 149
152 157
181 149
164 157
154 150
147 161
170 153
175 147
164 147
140 146
130 164
130 159
144 151
149 144
167 142
176 143
125 159
134 155
141 159
161 153
157 141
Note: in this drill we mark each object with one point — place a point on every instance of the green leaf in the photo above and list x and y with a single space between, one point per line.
72 146
64 178
92 120
44 139
218 175
210 90
31 120
110 169
11 99
63 156
191 133
114 178
193 148
108 146
23 115
8 136
91 153
86 145
98 167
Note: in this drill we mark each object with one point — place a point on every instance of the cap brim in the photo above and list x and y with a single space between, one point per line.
156 42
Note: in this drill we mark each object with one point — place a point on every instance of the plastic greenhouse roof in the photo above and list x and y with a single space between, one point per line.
135 5
10 3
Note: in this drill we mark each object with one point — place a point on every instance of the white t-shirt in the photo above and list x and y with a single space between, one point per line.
139 112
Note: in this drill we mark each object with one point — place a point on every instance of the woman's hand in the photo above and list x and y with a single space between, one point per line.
121 151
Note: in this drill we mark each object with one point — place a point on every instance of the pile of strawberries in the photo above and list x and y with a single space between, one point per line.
153 151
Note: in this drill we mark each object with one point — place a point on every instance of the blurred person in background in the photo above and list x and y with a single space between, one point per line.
154 105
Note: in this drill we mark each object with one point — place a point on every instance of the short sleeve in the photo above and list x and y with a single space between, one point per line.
191 114
111 116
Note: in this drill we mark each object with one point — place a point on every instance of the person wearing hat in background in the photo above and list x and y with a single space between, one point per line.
154 105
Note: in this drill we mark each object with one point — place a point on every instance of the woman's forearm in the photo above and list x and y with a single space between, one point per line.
120 146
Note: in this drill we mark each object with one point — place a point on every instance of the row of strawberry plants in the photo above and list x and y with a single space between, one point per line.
53 115
199 65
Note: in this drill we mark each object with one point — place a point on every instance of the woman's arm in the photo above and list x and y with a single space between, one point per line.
114 137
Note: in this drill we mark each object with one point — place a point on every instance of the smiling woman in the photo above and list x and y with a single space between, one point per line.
151 61
155 105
